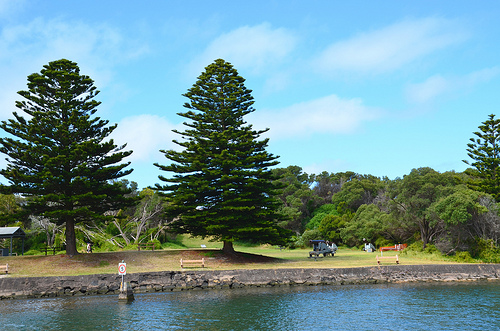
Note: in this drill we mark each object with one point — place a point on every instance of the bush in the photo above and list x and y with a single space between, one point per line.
172 241
35 241
112 229
319 214
105 247
172 244
486 251
330 227
382 242
303 240
292 244
131 247
417 249
156 242
33 252
311 235
368 222
431 249
463 257
414 249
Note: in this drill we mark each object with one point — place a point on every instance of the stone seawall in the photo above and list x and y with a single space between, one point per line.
37 287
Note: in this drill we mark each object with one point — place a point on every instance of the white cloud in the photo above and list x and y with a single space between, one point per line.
329 114
7 7
391 47
428 90
438 85
146 135
277 82
329 165
24 49
253 48
481 76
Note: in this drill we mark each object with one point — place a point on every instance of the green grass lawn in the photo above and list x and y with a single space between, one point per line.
345 257
248 257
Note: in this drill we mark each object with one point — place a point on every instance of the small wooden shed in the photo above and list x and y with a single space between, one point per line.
12 232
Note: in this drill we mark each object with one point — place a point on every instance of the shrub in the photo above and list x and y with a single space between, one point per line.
486 251
463 257
382 242
35 241
330 227
431 249
414 249
172 244
105 247
33 252
303 240
319 214
112 229
172 241
156 242
368 222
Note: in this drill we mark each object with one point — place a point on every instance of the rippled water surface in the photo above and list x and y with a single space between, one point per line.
458 306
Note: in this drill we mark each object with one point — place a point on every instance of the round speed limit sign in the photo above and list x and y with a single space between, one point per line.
122 268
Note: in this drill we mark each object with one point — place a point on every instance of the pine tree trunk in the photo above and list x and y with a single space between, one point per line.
71 238
228 247
424 238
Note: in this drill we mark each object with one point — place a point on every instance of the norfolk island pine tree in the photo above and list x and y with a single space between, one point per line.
484 150
59 157
222 186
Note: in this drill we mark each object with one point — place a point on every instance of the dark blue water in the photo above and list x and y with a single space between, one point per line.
457 306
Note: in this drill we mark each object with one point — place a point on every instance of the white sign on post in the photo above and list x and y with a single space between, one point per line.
122 268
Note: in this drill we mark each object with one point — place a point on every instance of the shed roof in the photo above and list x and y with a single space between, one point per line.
12 232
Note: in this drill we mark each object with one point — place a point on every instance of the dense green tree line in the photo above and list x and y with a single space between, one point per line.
425 205
66 183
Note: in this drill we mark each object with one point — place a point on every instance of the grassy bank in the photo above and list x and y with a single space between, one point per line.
258 257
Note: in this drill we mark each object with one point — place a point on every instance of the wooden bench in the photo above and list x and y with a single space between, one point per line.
396 258
193 263
146 246
5 268
48 249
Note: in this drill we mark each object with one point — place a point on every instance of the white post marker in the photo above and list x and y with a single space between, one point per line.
122 269
126 291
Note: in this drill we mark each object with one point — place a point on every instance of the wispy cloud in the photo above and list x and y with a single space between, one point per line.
254 48
146 135
329 114
328 165
428 90
24 49
7 7
438 85
391 47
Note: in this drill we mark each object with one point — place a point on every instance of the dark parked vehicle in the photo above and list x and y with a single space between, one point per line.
322 247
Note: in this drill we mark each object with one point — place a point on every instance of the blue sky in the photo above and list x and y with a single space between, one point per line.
374 87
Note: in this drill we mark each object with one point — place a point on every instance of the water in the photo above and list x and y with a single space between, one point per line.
457 306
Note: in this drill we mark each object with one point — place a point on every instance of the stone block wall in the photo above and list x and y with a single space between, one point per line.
198 279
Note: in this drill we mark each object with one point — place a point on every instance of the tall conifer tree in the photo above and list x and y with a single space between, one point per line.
485 153
222 186
59 157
